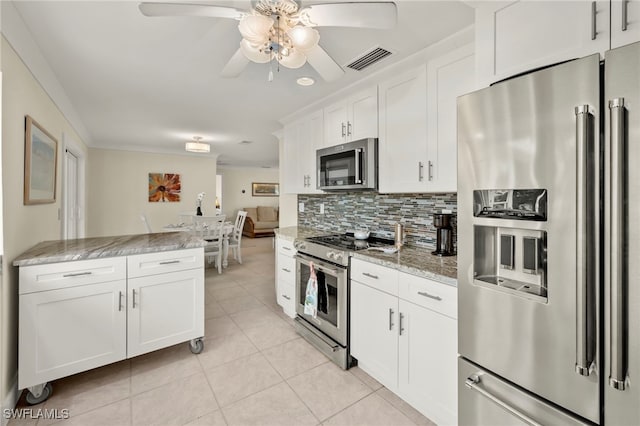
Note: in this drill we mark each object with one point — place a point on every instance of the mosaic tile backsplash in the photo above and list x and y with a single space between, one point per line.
380 212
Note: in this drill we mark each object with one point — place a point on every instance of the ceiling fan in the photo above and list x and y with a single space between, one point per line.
280 30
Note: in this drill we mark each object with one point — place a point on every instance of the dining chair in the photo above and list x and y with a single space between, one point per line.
211 229
186 219
235 239
144 219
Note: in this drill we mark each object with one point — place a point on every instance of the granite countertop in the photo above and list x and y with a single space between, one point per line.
412 260
99 247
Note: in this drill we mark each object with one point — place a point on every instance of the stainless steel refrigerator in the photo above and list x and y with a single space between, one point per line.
549 246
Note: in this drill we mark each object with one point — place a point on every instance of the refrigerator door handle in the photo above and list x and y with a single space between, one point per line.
585 232
473 383
617 232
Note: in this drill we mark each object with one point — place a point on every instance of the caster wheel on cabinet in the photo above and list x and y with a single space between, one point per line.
46 393
196 346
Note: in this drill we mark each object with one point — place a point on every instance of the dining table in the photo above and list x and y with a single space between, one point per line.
227 230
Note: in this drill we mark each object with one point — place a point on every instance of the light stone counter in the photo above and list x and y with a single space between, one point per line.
412 260
99 247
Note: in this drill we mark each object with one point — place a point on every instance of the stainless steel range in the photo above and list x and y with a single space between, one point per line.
329 330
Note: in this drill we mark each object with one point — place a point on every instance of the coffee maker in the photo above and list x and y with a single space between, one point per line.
444 234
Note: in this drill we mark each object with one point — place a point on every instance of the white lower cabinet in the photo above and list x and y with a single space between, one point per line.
75 316
286 276
404 334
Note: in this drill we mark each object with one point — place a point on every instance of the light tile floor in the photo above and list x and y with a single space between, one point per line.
254 370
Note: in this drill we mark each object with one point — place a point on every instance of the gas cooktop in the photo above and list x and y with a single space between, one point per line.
349 242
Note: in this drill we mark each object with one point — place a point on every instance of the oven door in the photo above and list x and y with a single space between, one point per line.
332 315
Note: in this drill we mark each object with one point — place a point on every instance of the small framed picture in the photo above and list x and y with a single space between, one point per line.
40 164
260 189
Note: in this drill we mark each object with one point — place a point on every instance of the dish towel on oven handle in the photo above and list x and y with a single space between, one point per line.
311 296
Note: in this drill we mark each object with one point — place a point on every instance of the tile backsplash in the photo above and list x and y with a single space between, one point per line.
380 212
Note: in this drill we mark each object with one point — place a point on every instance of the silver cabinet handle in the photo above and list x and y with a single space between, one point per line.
169 262
400 327
366 274
286 297
286 270
616 212
77 274
585 233
286 248
625 5
430 172
133 302
358 178
472 383
344 130
430 296
349 128
390 319
119 301
593 20
420 168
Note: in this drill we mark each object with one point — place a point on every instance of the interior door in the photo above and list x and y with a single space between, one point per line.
523 134
71 195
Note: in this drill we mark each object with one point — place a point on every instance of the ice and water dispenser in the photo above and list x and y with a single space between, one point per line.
506 257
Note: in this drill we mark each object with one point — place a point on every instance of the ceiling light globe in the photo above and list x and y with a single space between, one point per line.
199 147
253 53
304 38
295 59
255 28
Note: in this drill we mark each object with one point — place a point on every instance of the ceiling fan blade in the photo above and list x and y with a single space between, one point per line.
182 9
235 66
382 15
319 59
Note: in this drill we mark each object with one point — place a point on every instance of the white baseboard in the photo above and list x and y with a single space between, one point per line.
10 400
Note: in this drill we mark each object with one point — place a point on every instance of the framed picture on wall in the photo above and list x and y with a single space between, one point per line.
260 189
40 164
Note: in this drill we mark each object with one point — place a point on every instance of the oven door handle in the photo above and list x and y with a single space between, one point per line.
318 264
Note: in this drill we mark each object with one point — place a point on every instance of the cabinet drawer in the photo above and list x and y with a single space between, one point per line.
286 269
433 295
70 274
141 265
376 276
286 298
285 247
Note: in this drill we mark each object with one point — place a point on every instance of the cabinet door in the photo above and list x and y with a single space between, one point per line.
374 333
512 37
363 115
335 124
310 141
428 363
291 180
164 310
449 76
66 331
625 22
403 132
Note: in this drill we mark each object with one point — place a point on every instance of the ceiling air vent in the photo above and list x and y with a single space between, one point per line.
369 58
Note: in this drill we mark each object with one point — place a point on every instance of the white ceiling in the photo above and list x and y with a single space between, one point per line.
151 84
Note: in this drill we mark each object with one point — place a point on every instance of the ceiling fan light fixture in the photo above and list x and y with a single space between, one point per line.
197 146
255 28
295 59
304 38
254 53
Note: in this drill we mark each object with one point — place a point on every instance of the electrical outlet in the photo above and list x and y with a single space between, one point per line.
301 207
321 208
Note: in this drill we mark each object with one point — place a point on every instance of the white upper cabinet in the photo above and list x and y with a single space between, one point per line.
513 37
301 139
402 145
351 119
448 77
625 22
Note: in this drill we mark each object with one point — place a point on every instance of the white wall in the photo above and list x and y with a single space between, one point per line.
236 180
118 190
24 226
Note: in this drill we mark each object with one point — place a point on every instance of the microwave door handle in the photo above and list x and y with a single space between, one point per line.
358 171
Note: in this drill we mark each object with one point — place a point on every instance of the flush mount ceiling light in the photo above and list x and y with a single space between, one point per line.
279 30
305 81
197 146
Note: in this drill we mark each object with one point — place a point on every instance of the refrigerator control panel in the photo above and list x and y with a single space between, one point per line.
518 204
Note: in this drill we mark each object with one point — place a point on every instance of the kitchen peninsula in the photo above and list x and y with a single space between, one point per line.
89 302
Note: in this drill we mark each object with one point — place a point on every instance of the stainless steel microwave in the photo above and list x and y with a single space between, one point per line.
349 166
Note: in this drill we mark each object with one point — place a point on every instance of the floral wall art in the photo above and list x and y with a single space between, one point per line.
164 187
